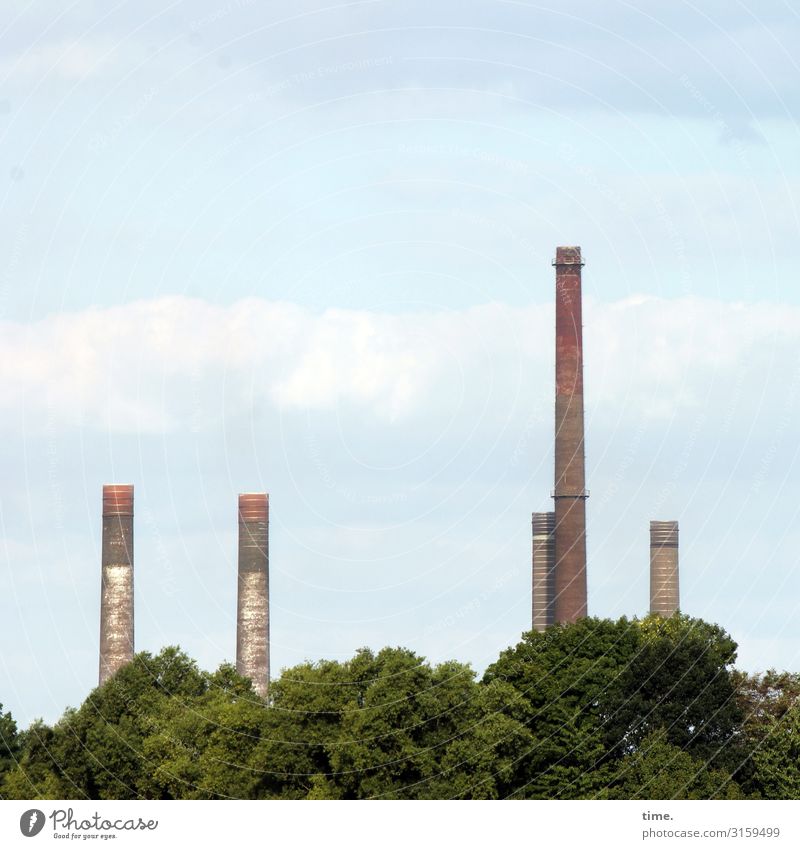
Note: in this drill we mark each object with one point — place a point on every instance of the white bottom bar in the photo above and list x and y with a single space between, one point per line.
380 825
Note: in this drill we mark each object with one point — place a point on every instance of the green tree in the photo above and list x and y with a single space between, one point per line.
570 683
595 689
776 757
680 679
97 751
35 774
770 704
765 697
657 769
199 746
398 724
597 709
292 759
9 744
481 762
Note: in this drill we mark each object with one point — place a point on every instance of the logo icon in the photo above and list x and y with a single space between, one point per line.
31 822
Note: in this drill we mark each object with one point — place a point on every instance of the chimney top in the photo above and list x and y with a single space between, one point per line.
568 255
253 507
118 499
664 533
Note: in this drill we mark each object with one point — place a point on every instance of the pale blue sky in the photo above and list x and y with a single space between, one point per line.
306 248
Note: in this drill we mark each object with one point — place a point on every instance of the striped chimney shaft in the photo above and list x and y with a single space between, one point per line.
116 580
570 475
252 615
544 561
664 589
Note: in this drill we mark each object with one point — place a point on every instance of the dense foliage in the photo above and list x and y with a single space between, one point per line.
632 709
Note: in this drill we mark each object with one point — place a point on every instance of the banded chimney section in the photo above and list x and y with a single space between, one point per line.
570 474
544 561
252 616
116 580
664 588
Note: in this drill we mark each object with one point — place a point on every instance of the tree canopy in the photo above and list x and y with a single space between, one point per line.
626 709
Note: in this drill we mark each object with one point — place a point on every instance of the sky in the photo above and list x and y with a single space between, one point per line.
305 248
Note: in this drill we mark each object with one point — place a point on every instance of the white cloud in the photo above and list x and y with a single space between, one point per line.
176 362
68 59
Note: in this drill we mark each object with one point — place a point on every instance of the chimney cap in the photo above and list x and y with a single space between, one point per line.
118 499
253 506
664 533
568 255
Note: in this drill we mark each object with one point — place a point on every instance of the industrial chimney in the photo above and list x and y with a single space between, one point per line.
116 580
544 561
664 595
570 476
252 616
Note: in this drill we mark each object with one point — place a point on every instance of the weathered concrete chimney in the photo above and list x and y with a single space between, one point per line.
252 619
544 561
116 580
664 589
570 477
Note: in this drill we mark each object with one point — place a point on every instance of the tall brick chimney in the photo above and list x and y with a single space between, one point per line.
544 561
116 580
664 588
252 616
570 474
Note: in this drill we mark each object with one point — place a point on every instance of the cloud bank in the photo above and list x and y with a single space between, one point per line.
172 363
